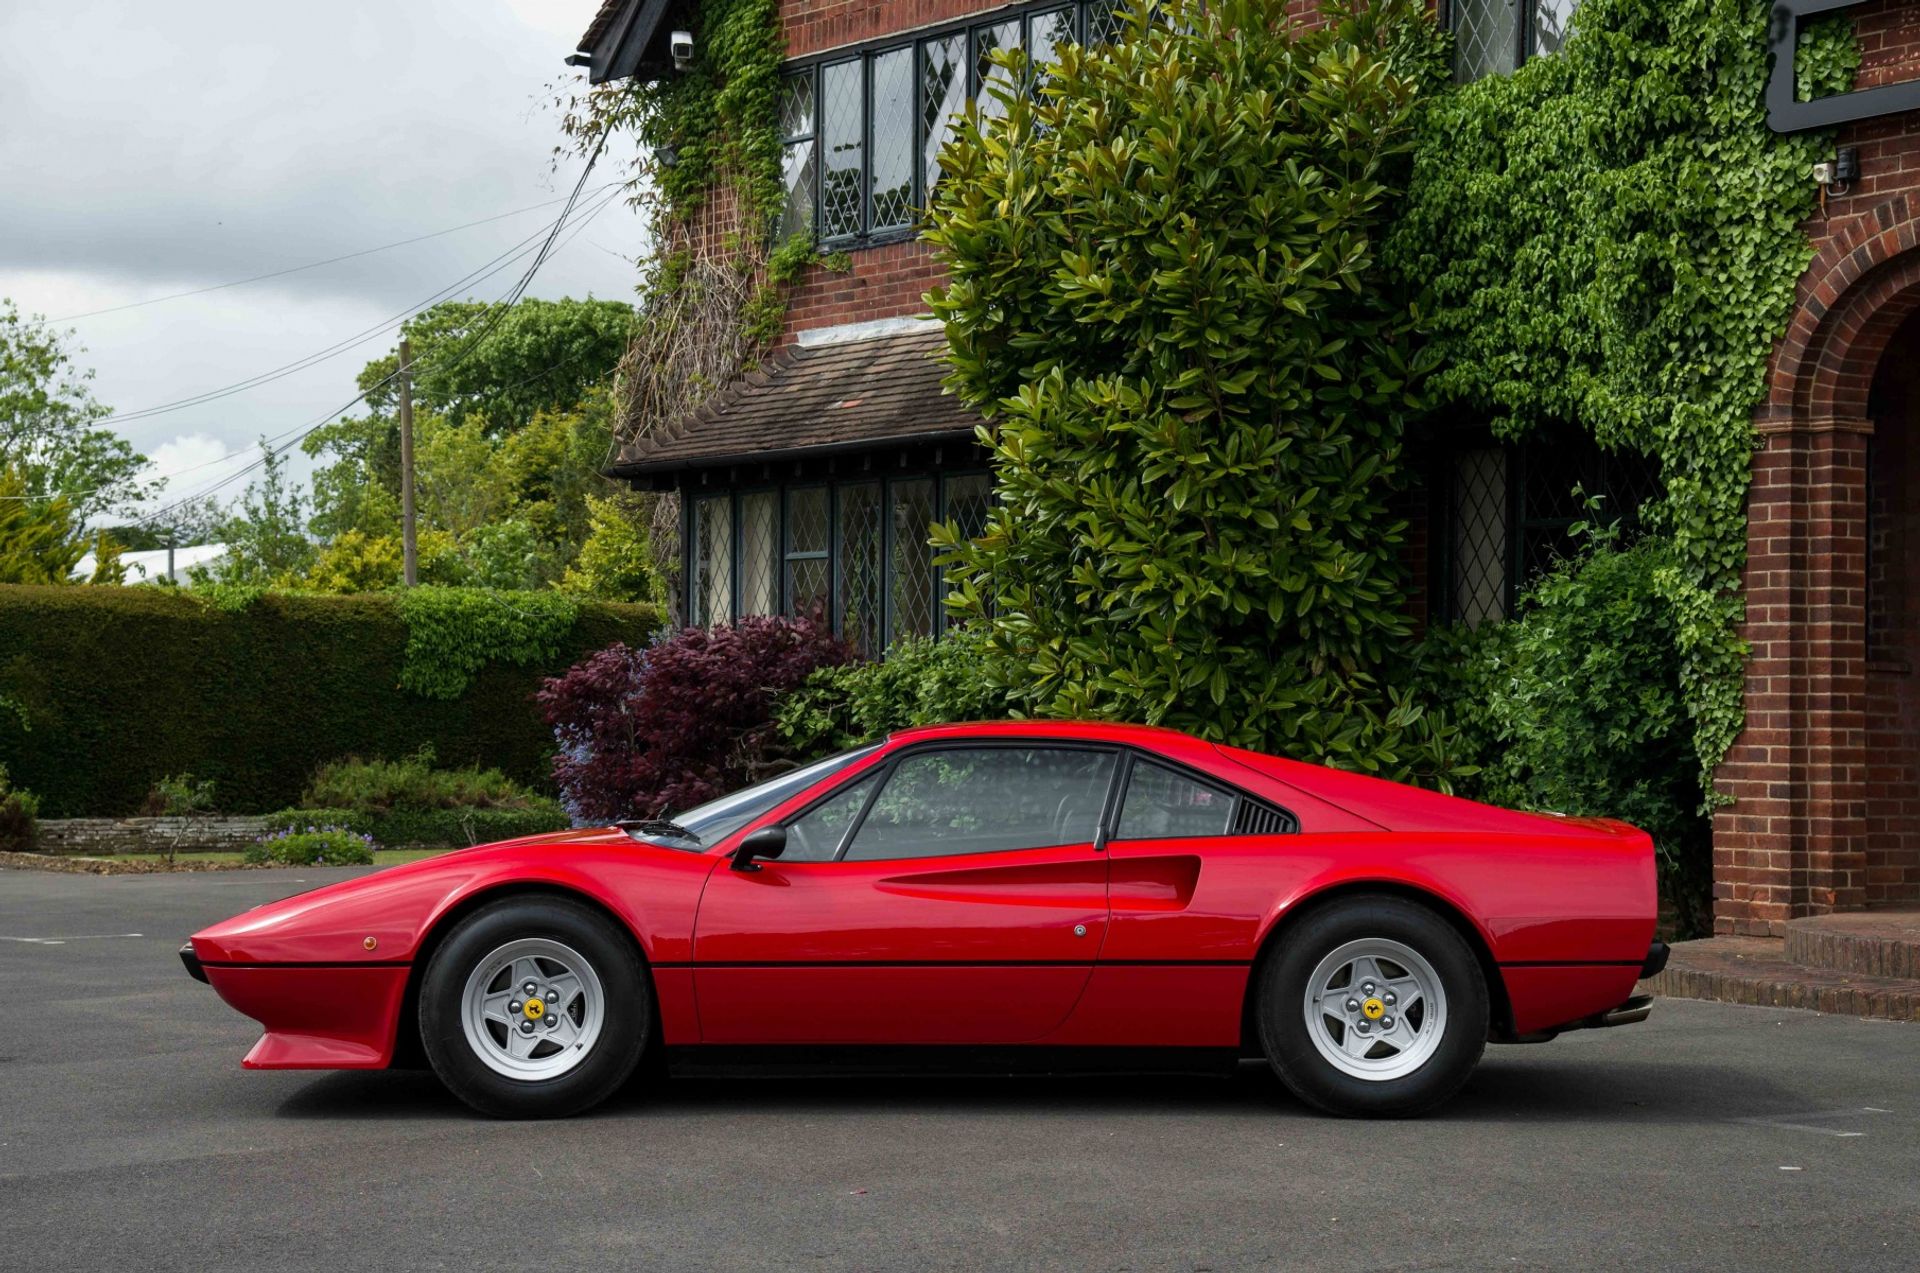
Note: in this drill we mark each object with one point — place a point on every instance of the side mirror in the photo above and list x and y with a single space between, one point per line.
767 842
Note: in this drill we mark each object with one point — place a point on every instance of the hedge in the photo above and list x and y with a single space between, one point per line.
120 686
426 828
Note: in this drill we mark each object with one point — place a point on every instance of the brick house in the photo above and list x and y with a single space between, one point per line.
807 486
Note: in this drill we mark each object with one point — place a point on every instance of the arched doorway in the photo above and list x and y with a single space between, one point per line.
1823 785
1891 841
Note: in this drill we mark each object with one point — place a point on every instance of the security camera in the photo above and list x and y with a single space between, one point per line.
680 44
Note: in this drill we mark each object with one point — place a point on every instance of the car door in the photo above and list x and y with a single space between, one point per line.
954 895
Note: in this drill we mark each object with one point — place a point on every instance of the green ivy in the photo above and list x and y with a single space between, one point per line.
1164 286
454 632
1610 238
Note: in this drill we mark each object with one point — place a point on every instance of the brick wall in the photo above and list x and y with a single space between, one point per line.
1823 779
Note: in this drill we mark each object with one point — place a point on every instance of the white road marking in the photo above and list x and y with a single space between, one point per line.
1800 1123
61 941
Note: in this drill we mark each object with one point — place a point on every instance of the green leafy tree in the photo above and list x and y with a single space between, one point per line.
615 562
266 536
42 539
1163 288
50 424
471 361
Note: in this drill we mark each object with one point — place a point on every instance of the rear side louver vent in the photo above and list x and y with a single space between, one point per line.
1258 819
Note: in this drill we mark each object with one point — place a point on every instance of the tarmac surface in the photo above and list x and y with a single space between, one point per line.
1711 1137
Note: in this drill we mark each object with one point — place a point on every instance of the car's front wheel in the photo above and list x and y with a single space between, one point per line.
535 1007
1373 1006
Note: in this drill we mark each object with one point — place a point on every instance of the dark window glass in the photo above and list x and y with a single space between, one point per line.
1162 804
890 138
1106 21
985 800
969 497
842 114
816 836
943 95
1478 552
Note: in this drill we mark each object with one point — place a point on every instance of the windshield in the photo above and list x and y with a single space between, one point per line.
715 820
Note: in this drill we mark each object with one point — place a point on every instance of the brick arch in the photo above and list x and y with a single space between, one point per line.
1861 286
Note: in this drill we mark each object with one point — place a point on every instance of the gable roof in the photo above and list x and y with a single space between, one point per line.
626 38
806 400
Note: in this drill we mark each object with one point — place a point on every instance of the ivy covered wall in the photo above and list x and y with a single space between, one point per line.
1609 238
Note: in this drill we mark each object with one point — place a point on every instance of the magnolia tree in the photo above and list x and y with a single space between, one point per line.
1163 292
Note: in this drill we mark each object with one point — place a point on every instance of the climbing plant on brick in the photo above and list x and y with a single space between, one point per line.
1610 238
1165 291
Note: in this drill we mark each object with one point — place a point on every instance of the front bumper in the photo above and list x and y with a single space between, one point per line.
192 961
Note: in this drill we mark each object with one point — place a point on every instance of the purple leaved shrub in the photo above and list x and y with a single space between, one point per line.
690 717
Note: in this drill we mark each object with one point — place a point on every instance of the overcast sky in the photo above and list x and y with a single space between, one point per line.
154 148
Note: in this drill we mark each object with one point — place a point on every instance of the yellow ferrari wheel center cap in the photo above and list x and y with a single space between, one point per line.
1372 1009
535 1009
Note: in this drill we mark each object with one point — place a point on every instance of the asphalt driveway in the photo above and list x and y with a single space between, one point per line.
1712 1137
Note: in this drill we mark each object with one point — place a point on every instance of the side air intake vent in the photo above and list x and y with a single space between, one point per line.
1259 819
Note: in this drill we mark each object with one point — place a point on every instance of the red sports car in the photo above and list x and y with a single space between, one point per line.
1026 887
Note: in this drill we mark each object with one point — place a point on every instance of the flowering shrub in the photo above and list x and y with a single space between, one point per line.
314 846
643 732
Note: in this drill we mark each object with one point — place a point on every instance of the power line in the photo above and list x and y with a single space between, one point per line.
311 265
482 273
299 432
460 356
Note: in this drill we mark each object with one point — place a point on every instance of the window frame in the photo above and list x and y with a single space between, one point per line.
1106 833
1523 33
892 765
915 42
833 554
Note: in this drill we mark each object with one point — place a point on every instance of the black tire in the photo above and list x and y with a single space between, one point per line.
625 1030
1284 1033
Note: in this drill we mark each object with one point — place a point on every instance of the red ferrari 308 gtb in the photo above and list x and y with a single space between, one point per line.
1023 887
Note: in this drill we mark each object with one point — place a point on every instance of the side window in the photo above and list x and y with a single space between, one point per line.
985 800
815 836
1161 803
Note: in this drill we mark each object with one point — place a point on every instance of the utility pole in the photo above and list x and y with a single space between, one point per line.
409 548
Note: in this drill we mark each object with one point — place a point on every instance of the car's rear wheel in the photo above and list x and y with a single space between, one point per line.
535 1007
1373 1006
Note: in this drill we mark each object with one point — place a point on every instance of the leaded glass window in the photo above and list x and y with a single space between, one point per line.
890 134
990 81
1478 517
713 559
1552 22
1047 33
1106 21
799 169
969 499
843 149
912 577
943 95
860 565
760 552
809 562
1493 37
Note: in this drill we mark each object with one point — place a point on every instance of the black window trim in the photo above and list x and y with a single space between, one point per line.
1240 795
1020 14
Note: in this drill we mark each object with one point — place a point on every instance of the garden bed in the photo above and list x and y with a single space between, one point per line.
156 863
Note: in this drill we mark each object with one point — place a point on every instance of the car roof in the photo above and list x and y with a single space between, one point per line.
1082 730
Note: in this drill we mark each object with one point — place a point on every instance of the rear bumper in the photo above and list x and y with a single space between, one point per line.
1657 954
